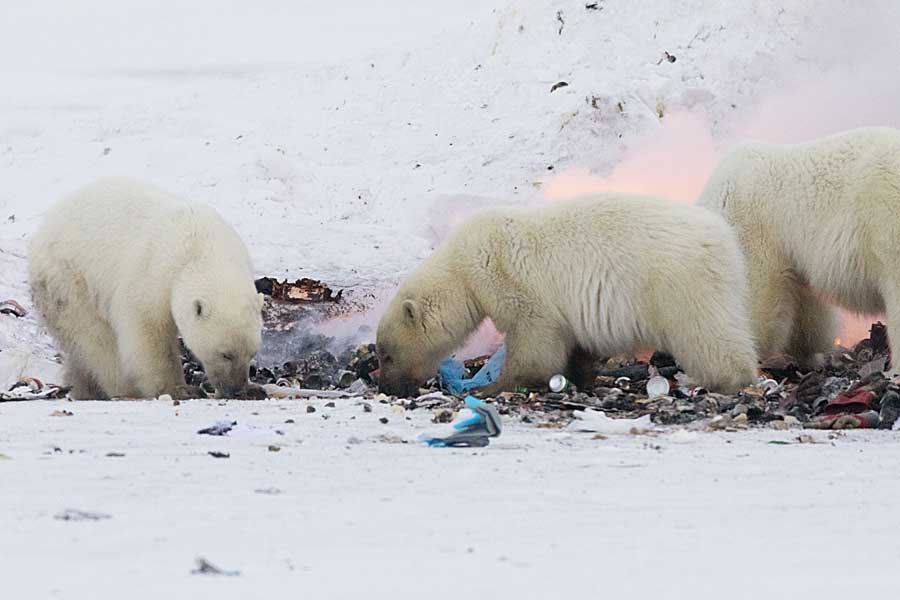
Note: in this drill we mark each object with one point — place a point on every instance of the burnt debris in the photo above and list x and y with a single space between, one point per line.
301 290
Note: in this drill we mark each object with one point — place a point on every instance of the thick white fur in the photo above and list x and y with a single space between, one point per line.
601 274
118 269
815 220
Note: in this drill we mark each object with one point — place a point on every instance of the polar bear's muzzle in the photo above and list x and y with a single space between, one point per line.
230 382
400 387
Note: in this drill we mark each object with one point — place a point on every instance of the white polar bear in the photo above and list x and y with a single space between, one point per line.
597 275
120 268
816 221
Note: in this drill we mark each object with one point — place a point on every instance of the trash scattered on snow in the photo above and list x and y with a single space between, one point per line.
11 307
220 428
62 413
597 421
204 567
301 290
32 388
622 387
475 426
72 514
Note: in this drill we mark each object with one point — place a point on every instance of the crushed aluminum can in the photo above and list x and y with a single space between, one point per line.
11 307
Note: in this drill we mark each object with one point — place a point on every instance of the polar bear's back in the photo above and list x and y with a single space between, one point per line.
651 233
602 263
120 233
785 184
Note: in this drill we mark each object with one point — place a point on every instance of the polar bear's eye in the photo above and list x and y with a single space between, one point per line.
227 357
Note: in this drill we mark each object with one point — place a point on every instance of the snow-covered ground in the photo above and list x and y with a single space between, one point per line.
344 510
343 139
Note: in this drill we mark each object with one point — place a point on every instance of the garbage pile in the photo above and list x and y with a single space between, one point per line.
849 391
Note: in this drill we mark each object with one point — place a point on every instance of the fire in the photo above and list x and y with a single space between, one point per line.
854 328
837 341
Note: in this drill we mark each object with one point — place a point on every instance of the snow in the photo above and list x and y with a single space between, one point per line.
343 140
344 510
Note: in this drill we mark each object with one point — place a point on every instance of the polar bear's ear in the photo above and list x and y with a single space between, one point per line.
410 311
201 311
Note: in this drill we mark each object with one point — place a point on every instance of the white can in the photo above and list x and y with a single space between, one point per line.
558 383
657 386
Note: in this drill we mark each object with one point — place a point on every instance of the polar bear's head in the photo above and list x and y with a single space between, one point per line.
411 342
221 325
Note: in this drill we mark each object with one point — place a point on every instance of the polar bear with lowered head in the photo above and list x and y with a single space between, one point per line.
119 269
587 277
817 222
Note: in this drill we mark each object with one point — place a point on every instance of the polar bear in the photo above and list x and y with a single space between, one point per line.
817 222
120 268
592 276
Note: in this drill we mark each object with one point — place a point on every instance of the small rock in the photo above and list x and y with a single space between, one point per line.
72 514
220 428
442 416
204 567
274 448
384 420
310 408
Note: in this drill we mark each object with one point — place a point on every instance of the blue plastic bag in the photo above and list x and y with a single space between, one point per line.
474 428
452 372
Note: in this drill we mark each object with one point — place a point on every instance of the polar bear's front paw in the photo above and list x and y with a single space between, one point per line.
252 392
188 392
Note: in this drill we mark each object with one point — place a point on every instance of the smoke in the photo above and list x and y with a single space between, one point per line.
841 74
672 161
848 80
